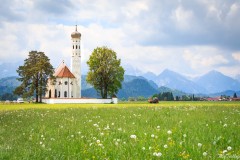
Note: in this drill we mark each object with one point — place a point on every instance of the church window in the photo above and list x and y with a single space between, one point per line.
66 82
73 46
65 93
55 94
59 93
50 93
76 46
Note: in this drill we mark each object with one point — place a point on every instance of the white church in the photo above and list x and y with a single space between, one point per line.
67 86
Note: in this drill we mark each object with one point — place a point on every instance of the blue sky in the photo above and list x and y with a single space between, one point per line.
191 37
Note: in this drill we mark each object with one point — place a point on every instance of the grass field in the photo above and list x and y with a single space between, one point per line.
168 130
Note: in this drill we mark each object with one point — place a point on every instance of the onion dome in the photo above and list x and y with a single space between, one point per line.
76 34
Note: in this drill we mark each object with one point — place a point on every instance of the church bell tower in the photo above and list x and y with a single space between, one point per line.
76 62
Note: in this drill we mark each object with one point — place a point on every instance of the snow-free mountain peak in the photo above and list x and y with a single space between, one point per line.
215 81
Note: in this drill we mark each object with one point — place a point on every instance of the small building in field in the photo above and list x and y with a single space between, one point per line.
235 99
212 99
64 85
67 86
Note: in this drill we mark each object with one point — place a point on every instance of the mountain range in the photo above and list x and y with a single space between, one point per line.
211 84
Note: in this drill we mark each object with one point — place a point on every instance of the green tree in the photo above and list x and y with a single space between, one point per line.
131 99
235 95
105 71
141 98
34 75
8 96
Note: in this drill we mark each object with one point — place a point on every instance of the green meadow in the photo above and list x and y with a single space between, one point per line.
168 130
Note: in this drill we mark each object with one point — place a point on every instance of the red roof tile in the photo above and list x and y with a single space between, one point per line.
64 72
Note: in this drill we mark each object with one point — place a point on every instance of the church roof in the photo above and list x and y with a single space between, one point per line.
63 71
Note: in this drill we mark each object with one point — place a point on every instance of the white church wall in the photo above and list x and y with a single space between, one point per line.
77 100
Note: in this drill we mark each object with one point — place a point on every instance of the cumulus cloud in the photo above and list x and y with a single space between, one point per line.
190 37
236 56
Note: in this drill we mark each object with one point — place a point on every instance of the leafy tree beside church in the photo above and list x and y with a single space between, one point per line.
34 75
105 72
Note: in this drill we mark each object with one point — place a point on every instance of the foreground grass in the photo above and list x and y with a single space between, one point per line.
168 130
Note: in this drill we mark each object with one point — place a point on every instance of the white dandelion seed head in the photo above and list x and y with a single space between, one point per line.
157 154
204 153
143 148
229 148
184 135
133 136
224 151
152 135
98 141
165 146
158 127
169 132
225 125
199 144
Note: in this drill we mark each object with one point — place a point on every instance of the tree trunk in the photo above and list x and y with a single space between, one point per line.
36 85
105 91
41 87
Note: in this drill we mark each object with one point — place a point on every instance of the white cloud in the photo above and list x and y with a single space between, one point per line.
183 18
236 56
185 36
134 8
204 57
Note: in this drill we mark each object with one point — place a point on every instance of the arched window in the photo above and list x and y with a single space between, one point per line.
66 82
59 94
79 46
76 47
55 94
73 46
50 93
65 93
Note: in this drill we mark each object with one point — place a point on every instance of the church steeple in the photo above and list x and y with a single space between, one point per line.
76 61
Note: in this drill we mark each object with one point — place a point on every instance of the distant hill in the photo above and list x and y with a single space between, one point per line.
215 82
227 93
9 69
8 84
133 86
84 83
174 91
176 81
150 76
211 82
168 81
238 78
